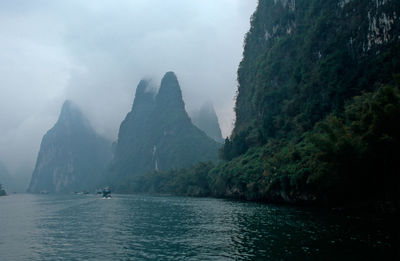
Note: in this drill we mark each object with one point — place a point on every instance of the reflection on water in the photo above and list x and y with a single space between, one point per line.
136 227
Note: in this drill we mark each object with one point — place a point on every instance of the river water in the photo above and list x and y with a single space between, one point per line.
140 227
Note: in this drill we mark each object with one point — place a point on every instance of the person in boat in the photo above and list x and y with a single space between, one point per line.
106 192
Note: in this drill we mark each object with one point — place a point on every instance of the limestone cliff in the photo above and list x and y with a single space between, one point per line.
158 135
72 156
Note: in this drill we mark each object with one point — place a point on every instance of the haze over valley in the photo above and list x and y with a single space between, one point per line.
94 53
199 130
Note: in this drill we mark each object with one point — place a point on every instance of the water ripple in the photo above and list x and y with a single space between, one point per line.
136 227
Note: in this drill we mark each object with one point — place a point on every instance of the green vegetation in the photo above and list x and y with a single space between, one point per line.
350 158
317 109
302 63
193 181
299 131
344 158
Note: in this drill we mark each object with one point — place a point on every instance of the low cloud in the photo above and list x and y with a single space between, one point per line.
96 52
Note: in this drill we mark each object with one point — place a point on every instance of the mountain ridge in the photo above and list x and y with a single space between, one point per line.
160 137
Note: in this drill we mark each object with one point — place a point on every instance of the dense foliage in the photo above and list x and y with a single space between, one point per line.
304 59
346 158
351 156
317 108
193 181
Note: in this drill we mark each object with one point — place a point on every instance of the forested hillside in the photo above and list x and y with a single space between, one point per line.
317 108
304 59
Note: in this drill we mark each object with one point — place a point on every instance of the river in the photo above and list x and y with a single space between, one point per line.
141 227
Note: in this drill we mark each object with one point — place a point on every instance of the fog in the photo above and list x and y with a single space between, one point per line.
94 53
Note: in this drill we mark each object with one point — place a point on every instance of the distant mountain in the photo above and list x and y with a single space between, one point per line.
5 179
72 156
158 135
206 120
16 182
317 110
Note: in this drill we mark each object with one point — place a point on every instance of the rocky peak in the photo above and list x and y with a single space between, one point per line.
71 117
206 119
72 155
161 137
144 98
170 95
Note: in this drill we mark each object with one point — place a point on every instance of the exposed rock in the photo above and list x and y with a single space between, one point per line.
72 156
158 135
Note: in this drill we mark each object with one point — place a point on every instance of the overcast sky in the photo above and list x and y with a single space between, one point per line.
94 52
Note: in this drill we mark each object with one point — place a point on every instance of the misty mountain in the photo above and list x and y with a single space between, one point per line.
16 182
317 110
72 156
6 180
157 134
206 120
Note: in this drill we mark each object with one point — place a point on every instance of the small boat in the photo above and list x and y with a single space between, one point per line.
106 192
85 192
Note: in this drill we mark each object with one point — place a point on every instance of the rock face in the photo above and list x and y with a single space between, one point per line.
303 59
72 156
206 120
158 135
302 98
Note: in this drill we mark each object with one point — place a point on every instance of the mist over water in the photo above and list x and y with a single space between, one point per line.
140 227
96 52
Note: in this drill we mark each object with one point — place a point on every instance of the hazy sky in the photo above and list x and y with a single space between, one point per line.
94 52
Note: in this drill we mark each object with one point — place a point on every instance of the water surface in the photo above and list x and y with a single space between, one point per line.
140 227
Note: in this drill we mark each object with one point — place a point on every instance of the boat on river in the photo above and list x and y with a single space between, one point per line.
106 192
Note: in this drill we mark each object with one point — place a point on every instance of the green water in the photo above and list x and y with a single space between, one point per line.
138 227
